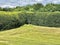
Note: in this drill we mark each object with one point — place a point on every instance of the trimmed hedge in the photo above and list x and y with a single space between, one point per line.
13 20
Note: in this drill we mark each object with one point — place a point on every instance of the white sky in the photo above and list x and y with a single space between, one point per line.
12 3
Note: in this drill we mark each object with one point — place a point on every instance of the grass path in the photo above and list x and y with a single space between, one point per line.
31 35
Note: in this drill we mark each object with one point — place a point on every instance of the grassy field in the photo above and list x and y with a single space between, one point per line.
30 35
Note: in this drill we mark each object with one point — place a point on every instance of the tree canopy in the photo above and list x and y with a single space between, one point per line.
35 7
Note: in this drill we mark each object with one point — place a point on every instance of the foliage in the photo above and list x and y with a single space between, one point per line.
44 19
12 20
35 7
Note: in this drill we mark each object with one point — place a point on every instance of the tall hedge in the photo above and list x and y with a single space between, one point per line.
51 19
13 20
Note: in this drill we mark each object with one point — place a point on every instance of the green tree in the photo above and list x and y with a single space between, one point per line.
37 6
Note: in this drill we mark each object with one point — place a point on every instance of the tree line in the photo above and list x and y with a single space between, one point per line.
35 7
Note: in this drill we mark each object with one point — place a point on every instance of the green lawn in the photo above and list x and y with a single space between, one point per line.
31 35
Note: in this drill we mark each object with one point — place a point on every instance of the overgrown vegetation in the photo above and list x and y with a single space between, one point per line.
37 14
36 7
30 34
12 20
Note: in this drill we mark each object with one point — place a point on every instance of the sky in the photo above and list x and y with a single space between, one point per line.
13 3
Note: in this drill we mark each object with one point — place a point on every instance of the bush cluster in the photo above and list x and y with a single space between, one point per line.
13 20
51 19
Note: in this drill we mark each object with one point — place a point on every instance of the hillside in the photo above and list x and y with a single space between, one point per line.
35 24
31 35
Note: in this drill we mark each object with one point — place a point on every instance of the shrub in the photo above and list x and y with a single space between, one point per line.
12 20
51 19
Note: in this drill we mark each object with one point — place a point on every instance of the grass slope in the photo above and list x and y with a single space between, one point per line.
31 35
